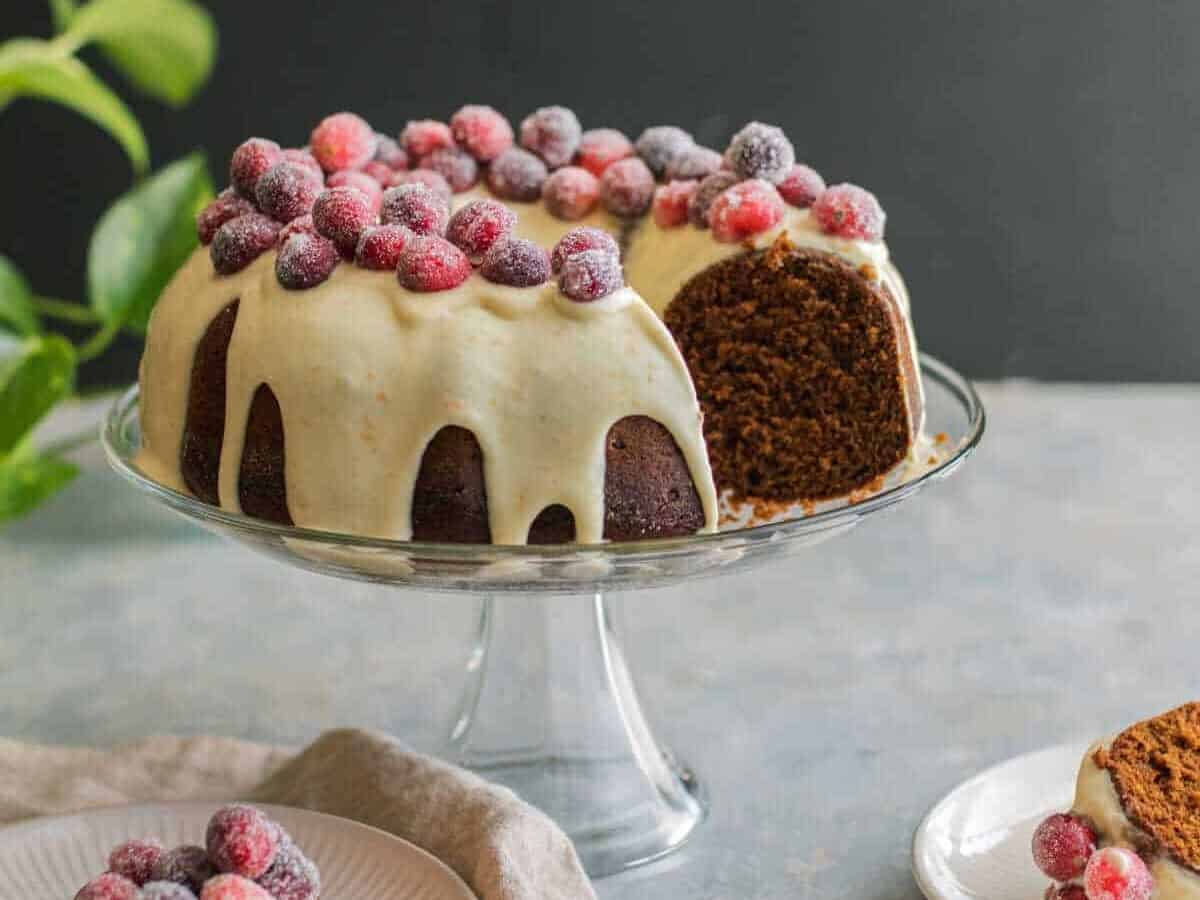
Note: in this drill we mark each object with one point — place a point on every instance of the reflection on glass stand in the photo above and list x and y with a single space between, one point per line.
550 707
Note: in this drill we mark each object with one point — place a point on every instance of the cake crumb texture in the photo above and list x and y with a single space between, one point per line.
1155 766
797 367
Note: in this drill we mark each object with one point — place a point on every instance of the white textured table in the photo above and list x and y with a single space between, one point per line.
1043 593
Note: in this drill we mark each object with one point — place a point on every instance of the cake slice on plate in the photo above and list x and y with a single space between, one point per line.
1133 832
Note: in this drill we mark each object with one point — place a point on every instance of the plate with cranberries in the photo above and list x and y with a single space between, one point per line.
202 851
975 844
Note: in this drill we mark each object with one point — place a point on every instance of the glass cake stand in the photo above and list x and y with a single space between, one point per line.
550 708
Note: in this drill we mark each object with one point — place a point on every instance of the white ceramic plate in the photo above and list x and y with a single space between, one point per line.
50 859
974 844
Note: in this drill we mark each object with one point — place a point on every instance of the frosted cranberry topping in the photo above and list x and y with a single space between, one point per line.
432 264
553 133
745 209
571 192
517 175
481 131
342 141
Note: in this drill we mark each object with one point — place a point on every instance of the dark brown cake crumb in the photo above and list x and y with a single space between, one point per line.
800 372
1155 767
204 423
262 488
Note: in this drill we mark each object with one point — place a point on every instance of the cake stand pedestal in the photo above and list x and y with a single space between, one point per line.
551 711
550 708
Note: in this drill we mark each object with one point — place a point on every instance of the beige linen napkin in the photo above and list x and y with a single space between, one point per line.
503 848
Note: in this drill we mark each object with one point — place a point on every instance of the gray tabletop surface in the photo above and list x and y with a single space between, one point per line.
1042 594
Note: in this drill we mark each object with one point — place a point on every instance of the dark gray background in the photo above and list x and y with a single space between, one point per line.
1037 160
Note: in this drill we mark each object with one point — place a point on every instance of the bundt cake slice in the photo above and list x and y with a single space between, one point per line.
802 352
1133 832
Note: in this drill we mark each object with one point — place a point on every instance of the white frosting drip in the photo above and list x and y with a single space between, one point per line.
367 372
1096 799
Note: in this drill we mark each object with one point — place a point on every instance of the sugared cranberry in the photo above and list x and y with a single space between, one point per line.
1065 892
303 156
341 214
849 211
136 860
187 865
305 260
457 166
516 262
428 178
481 131
249 161
599 148
802 186
1062 845
342 141
109 886
360 181
590 275
389 152
287 190
627 188
166 890
693 162
233 887
553 133
577 240
571 193
421 137
241 839
240 241
516 175
660 144
1114 873
228 204
380 247
415 207
381 173
761 151
432 263
745 209
671 203
479 225
710 188
292 876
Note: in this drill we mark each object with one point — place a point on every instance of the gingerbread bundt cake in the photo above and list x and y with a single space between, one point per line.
1133 832
376 339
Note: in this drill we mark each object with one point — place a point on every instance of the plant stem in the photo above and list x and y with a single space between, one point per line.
98 342
65 310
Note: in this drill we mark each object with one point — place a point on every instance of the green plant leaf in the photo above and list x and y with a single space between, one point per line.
143 238
62 11
16 301
164 47
27 480
36 376
32 68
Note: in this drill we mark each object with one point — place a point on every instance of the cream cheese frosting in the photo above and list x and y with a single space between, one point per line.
1096 799
366 372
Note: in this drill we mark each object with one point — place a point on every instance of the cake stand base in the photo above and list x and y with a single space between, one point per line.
551 712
